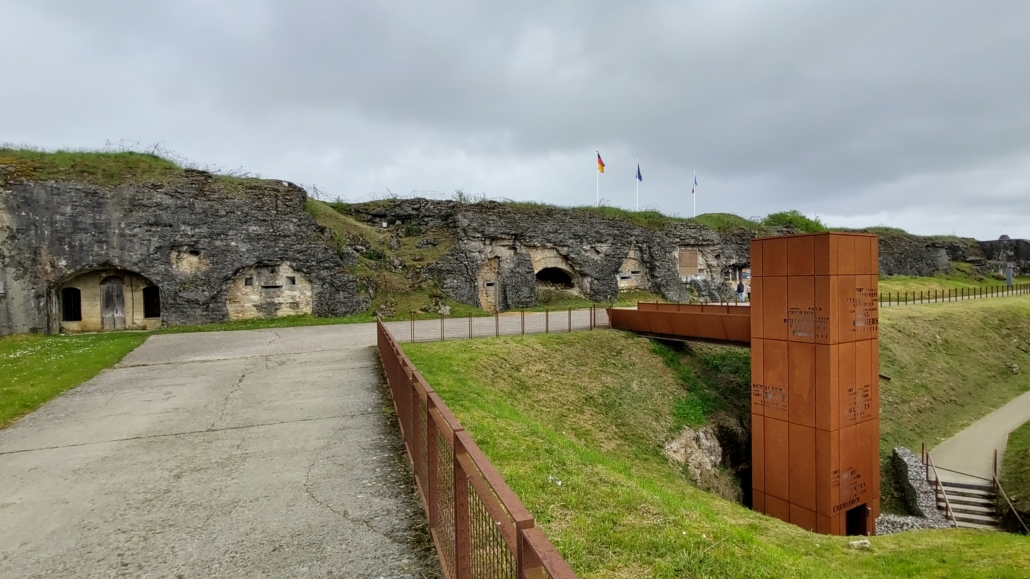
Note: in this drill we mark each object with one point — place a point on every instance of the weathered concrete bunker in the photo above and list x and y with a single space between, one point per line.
79 257
268 291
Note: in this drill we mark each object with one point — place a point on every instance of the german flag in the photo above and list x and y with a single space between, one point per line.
600 163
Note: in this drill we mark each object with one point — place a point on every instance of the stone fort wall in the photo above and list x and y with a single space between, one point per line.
191 237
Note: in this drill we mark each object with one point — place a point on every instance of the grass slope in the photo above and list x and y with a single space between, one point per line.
948 365
34 368
960 278
592 410
1015 471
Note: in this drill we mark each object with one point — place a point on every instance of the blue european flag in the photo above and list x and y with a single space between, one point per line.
639 178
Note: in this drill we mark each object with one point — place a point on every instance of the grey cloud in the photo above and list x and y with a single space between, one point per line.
814 105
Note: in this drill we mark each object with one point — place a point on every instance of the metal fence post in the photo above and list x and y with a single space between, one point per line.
497 324
570 319
441 327
547 321
523 322
470 325
462 546
412 327
432 458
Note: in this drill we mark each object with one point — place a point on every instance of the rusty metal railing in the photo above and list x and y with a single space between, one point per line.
1001 492
479 526
938 487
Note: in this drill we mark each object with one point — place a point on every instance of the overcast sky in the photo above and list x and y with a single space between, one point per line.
911 114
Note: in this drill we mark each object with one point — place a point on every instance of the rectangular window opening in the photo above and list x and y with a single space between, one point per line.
635 272
71 305
291 280
490 284
248 281
271 287
151 302
688 262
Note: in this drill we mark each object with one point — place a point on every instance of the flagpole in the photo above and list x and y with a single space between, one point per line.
693 194
638 185
597 203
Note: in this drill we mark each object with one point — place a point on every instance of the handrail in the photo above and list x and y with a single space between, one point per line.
939 486
999 490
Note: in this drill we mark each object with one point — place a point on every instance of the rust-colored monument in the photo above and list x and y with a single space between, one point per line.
815 396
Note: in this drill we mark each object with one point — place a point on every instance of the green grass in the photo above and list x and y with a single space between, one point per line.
796 220
35 368
103 169
592 409
726 222
1015 472
648 218
957 280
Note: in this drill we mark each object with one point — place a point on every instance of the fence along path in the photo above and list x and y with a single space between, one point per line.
506 324
480 528
952 295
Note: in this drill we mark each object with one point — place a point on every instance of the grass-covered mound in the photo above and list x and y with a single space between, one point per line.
103 169
35 368
592 410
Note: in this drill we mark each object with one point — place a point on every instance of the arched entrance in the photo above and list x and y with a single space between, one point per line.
104 299
556 277
112 303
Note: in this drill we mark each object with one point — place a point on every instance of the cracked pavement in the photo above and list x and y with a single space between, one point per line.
261 453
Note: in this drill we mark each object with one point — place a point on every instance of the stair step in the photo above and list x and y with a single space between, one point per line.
972 509
969 486
966 525
978 500
969 493
980 519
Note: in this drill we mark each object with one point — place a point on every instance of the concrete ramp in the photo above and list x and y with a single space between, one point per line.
233 454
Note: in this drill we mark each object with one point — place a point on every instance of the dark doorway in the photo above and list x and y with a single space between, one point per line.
112 303
71 304
553 275
855 520
151 302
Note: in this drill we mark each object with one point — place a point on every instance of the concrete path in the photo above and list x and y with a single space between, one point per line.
972 450
238 454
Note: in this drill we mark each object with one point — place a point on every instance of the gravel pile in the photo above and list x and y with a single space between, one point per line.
888 524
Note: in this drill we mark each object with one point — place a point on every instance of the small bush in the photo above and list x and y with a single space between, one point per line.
796 220
373 254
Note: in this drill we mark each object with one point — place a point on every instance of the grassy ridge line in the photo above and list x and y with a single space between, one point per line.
104 169
34 368
592 410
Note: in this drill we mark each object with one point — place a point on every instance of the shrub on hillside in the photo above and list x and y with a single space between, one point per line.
794 219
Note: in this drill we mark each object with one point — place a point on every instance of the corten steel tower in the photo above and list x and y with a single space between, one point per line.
815 396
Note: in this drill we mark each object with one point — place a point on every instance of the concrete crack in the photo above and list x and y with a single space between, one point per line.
188 432
225 402
342 514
